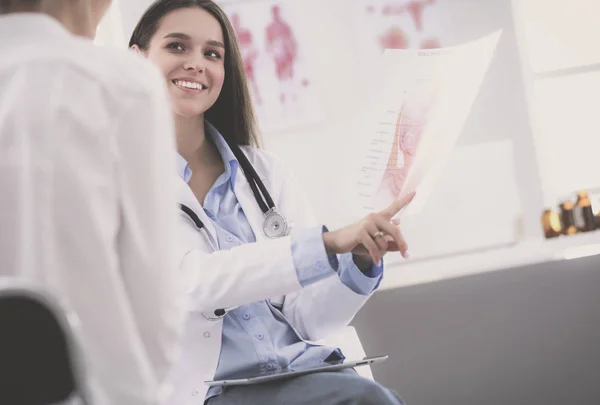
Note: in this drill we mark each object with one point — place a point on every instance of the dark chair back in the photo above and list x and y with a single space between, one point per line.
39 364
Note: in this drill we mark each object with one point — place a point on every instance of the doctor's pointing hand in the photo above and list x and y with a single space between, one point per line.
373 236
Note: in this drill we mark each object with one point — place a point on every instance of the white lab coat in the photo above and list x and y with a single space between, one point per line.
87 198
249 273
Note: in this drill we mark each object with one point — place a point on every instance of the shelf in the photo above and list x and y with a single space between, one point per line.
406 273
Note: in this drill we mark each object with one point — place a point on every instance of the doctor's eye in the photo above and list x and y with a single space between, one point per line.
175 46
213 54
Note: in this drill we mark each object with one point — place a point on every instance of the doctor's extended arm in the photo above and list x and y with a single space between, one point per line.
325 307
267 268
145 140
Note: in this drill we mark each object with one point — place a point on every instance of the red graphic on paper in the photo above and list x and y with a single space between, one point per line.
282 46
407 135
431 43
249 54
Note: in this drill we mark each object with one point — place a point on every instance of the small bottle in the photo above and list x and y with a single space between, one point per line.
587 222
568 219
551 224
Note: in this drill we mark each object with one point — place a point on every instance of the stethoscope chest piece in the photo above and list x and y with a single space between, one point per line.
275 225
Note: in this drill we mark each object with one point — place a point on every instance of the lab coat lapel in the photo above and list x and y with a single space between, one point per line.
187 198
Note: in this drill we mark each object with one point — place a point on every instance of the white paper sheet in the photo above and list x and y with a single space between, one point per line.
424 101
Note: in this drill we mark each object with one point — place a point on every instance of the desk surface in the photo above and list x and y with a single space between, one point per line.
406 273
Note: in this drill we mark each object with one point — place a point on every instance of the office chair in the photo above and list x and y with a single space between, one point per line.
40 357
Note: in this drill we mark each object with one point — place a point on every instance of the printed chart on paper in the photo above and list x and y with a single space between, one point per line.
424 101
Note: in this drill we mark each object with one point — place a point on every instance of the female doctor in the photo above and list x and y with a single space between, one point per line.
258 291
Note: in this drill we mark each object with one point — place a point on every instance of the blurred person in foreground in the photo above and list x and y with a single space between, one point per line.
87 200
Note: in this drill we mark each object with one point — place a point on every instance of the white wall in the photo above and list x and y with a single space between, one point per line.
499 113
322 155
560 43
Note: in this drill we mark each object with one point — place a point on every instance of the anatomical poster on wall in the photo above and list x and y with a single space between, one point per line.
398 24
284 95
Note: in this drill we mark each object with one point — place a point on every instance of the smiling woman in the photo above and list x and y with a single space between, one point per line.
199 29
258 291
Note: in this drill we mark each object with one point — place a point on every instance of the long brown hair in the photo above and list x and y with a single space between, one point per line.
11 6
232 114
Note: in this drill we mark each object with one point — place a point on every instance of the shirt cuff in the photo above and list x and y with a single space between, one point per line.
359 282
372 271
310 259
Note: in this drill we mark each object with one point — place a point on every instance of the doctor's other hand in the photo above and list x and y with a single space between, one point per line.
373 236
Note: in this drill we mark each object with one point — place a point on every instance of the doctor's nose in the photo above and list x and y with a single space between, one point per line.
194 64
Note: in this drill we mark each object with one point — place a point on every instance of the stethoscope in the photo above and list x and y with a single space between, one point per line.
275 225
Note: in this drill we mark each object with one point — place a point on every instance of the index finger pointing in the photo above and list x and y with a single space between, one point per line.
397 205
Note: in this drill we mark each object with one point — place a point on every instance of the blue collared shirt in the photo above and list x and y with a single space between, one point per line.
259 325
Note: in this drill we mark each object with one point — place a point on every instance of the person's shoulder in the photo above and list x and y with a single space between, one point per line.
118 75
121 72
262 160
267 164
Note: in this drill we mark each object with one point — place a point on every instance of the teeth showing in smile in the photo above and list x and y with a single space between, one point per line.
188 85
